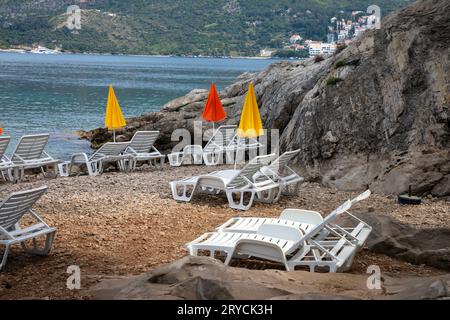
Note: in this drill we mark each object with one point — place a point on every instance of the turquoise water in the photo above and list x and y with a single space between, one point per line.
61 94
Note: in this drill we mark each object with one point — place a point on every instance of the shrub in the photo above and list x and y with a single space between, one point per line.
318 59
340 48
340 64
332 81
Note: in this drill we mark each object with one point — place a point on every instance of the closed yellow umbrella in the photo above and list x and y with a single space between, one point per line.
250 125
114 119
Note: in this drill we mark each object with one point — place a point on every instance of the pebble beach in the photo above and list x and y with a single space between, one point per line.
121 224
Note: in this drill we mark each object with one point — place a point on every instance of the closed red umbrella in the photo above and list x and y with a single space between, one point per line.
213 111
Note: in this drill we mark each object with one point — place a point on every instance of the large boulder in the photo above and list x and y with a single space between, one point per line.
202 278
430 247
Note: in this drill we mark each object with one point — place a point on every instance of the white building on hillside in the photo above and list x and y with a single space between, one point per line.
317 48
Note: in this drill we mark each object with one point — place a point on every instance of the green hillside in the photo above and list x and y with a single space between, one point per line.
191 27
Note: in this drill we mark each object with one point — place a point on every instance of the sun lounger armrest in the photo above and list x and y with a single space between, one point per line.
19 157
227 224
35 215
315 244
357 219
130 150
5 233
280 231
302 216
260 249
198 240
77 156
47 155
156 150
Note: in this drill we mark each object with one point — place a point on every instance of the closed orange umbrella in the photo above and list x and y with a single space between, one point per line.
213 111
1 131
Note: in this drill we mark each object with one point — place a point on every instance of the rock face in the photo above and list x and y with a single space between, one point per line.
201 278
385 122
426 246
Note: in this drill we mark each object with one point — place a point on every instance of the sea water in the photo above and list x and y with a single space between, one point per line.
61 94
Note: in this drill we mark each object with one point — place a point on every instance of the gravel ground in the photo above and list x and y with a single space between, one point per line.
120 224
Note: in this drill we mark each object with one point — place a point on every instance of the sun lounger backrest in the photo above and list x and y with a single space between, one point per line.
30 147
221 138
4 141
110 149
283 160
17 204
143 141
329 219
247 173
363 196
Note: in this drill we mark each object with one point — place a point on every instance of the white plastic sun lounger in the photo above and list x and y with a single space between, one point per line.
304 220
238 144
281 173
219 144
233 182
6 164
212 153
30 154
142 147
191 154
12 209
110 152
284 244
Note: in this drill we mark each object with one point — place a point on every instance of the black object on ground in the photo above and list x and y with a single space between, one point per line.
409 198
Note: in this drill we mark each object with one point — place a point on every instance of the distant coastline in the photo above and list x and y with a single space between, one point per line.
28 50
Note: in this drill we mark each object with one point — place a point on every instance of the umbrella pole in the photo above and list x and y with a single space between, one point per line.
114 135
237 153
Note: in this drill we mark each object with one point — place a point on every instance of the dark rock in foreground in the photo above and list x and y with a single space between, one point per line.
201 278
385 125
430 247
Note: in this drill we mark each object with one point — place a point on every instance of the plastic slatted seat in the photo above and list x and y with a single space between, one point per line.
12 209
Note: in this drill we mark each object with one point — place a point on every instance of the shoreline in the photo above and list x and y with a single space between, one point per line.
24 51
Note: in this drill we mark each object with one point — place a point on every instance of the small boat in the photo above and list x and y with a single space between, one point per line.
43 50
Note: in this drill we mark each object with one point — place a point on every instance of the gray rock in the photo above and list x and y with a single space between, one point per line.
417 289
205 278
201 278
398 240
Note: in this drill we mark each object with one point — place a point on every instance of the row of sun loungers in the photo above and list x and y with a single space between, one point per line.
264 178
224 141
124 154
30 154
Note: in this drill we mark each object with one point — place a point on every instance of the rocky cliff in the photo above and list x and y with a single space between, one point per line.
375 114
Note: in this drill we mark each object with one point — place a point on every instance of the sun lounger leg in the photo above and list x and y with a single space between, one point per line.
36 250
212 159
18 174
63 169
269 196
5 257
175 159
240 205
185 194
